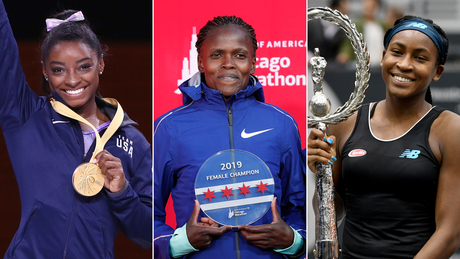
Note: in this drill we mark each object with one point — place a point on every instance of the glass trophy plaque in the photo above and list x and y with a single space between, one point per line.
234 187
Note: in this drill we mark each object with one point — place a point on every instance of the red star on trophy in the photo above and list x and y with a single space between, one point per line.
227 192
244 190
262 187
209 195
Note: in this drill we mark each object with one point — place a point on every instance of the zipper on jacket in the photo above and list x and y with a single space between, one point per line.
230 128
232 146
230 122
71 221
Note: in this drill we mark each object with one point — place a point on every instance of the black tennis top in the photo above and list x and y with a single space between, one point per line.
390 190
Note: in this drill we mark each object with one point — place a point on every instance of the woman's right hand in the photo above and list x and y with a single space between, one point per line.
200 234
321 148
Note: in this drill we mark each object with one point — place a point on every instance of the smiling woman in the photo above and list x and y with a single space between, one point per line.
395 161
51 139
72 70
410 63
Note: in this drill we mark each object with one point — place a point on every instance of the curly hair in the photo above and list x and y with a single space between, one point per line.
222 21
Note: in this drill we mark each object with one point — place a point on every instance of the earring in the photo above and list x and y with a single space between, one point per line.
102 70
46 78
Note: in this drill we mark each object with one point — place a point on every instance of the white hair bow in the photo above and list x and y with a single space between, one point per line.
53 22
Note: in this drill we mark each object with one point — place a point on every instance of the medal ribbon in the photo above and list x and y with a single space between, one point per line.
114 125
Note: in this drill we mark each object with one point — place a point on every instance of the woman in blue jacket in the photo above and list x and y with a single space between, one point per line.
224 109
48 138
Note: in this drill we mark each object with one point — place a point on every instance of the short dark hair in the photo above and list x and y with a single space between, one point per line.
221 21
68 31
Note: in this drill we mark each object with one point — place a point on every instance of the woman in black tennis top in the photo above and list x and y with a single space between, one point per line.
396 162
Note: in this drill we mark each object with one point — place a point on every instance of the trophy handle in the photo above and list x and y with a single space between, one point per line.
326 241
327 246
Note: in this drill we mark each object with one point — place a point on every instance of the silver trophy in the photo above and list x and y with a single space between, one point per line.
326 246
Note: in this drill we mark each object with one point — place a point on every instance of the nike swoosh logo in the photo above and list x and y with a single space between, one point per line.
252 134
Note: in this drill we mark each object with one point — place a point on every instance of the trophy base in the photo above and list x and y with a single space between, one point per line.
327 249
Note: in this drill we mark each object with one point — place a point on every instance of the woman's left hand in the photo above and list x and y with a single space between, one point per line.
112 169
276 235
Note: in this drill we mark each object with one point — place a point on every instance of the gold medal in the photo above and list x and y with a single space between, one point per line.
88 179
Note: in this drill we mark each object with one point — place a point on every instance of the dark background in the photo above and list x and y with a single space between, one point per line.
125 27
111 20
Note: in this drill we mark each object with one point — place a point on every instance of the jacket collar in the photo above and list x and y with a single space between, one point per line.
194 89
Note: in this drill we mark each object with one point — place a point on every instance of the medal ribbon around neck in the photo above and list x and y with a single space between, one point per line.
87 178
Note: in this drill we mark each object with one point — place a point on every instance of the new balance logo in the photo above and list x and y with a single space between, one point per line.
410 154
417 25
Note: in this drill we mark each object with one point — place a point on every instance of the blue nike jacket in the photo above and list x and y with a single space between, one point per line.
45 148
206 124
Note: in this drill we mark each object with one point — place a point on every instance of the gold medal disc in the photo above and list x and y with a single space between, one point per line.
88 179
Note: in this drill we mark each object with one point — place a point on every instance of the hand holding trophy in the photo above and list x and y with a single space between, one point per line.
326 245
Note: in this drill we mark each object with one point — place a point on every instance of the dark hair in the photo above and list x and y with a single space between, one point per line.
440 60
68 31
220 21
